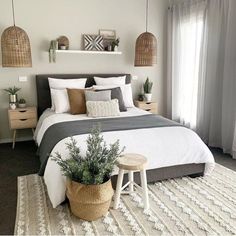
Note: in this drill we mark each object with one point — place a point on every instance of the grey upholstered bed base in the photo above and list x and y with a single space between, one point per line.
44 101
154 175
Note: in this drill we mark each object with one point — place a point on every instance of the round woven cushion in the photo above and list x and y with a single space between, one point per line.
132 161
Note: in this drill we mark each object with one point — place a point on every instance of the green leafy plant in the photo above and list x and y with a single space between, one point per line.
115 42
147 86
97 165
12 91
22 101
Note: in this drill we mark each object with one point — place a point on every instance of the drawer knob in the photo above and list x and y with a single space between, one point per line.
148 109
23 119
23 111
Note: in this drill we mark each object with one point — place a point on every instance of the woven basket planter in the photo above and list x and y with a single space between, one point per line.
146 50
16 50
89 202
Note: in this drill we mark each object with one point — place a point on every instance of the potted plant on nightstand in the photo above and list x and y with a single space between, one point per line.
147 87
89 188
22 103
12 96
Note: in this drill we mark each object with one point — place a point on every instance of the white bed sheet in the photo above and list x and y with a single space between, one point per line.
166 146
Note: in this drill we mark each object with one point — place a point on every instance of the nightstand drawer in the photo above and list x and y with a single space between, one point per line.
147 106
22 114
23 123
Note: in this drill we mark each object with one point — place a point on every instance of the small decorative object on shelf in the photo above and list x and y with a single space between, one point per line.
108 37
22 103
12 96
93 42
89 188
52 50
147 87
115 44
63 43
62 47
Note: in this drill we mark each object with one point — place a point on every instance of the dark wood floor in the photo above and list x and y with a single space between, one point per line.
22 161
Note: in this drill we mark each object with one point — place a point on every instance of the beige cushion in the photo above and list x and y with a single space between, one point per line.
103 108
77 101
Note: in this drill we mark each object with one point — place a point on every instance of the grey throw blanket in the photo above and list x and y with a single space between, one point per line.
59 131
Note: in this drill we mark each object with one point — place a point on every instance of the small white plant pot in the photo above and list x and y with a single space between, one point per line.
22 105
148 97
116 49
12 106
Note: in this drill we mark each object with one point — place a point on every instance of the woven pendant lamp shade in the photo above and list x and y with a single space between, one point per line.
16 50
146 50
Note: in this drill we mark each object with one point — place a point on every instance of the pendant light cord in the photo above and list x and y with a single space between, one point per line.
13 12
147 15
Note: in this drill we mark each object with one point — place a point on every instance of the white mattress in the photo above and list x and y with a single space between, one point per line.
165 146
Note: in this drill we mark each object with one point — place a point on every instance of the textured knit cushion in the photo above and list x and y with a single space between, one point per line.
98 96
103 108
117 94
77 101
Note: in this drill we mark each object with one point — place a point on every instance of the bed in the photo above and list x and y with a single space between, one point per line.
172 152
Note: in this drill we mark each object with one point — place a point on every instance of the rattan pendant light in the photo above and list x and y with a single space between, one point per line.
16 51
146 47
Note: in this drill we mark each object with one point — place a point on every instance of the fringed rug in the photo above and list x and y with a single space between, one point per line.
184 206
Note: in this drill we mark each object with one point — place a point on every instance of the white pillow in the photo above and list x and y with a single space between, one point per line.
126 90
65 83
103 108
61 100
119 80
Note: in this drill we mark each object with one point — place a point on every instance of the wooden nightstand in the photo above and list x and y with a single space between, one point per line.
22 118
147 106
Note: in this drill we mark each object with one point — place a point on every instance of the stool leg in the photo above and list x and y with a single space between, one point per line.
118 188
131 179
145 188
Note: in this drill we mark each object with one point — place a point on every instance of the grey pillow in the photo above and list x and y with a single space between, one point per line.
116 94
98 96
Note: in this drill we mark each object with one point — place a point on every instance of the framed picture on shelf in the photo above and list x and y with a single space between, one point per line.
108 34
93 42
108 37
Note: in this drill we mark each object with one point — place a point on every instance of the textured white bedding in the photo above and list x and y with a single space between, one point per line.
166 146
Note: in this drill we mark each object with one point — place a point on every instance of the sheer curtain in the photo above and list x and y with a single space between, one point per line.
201 69
186 20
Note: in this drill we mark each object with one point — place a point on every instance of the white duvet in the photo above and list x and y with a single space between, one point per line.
166 146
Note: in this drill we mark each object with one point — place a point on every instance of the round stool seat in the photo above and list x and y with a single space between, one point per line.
132 161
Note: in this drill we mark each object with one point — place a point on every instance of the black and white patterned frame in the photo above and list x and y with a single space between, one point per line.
93 42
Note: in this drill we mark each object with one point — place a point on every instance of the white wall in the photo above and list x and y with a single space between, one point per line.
45 20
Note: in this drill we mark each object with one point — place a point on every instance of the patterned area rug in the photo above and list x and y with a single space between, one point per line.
185 206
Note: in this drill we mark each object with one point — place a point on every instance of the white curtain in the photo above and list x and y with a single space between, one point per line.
186 20
201 68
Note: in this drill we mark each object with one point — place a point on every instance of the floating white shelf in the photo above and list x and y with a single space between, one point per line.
88 52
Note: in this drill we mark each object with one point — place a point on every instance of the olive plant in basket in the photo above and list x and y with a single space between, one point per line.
89 188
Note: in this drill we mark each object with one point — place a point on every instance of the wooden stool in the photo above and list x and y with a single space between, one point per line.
131 162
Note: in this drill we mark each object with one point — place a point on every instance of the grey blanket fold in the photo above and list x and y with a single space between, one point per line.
59 131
